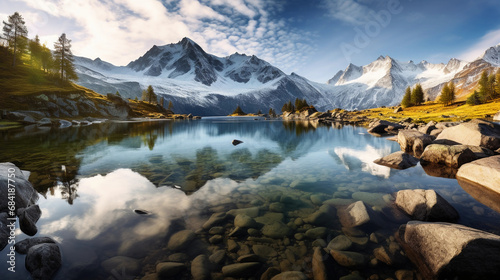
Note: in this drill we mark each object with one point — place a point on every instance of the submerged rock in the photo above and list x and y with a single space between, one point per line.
290 275
426 205
236 142
349 259
181 239
166 270
200 268
357 214
276 230
43 260
451 251
239 270
216 219
398 160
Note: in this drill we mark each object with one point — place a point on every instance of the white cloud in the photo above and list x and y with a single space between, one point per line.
349 11
491 39
119 31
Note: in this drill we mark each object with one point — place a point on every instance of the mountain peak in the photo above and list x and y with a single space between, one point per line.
492 55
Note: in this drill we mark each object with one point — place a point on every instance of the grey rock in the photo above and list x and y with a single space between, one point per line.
270 218
216 239
22 247
25 194
244 221
240 269
290 275
412 141
216 230
316 233
178 257
475 133
325 216
270 273
425 205
215 220
264 251
451 251
483 172
340 243
200 268
277 207
167 270
4 230
28 218
217 257
357 214
349 259
251 212
248 258
180 240
380 126
43 260
398 160
453 156
276 230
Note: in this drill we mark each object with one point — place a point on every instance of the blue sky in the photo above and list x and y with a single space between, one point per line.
314 38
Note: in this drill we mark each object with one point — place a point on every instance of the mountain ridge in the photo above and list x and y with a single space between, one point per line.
205 84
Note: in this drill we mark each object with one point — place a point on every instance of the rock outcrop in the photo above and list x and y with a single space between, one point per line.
476 133
453 156
398 160
412 141
451 251
485 172
425 205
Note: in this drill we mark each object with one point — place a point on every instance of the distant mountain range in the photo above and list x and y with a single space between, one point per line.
203 84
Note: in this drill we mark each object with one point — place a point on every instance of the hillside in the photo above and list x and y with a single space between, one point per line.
33 94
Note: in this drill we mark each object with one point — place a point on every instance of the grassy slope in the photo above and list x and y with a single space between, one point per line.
436 112
26 82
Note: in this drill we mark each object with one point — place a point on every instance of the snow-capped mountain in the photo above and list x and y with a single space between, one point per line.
200 83
383 82
204 84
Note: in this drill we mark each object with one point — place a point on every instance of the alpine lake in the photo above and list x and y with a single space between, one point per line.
113 194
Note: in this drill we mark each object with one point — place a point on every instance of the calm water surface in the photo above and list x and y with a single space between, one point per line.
184 171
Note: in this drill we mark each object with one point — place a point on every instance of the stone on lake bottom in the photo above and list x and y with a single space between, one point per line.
397 160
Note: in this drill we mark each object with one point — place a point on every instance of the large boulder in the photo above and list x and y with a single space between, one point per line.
476 133
23 246
412 141
398 160
43 261
425 205
28 218
428 128
453 156
451 251
239 270
381 127
4 230
496 117
485 172
25 194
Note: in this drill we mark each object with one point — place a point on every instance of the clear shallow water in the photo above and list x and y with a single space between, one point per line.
182 172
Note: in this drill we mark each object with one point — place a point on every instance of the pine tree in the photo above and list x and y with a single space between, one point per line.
15 33
445 97
64 58
238 111
144 96
118 93
259 112
491 85
406 102
473 99
497 84
35 51
151 95
162 102
170 105
417 95
46 58
483 87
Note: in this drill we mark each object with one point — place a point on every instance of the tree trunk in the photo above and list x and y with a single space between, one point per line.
15 46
